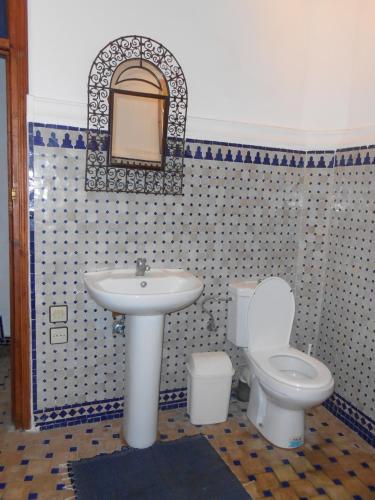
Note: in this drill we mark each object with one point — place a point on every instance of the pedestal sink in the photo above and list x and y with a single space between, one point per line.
145 300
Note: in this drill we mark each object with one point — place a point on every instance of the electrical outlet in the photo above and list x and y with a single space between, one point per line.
58 335
58 314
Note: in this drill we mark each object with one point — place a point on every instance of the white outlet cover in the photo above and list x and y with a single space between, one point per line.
58 335
58 314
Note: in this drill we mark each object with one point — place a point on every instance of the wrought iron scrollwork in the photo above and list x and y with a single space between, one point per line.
100 176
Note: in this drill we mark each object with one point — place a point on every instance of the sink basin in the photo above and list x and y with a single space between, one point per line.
160 291
145 300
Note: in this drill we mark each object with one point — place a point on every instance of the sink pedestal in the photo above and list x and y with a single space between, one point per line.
143 366
144 300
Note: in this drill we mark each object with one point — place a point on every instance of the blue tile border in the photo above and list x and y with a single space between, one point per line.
223 151
97 411
32 266
109 409
345 411
194 148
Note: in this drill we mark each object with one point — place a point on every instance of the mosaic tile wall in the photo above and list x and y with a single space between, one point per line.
347 329
246 212
310 266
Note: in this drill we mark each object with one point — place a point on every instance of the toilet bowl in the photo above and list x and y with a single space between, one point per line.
284 381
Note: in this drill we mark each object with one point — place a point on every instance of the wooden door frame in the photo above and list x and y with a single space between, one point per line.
14 48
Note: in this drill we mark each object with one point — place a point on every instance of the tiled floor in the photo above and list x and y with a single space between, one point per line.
334 462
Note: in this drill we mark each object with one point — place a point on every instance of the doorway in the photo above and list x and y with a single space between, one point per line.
14 210
5 329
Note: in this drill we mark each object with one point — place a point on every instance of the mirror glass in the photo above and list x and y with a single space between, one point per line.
138 116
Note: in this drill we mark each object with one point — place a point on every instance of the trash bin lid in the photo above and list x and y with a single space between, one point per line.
208 364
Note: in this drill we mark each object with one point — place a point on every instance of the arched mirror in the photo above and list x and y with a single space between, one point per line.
137 104
139 101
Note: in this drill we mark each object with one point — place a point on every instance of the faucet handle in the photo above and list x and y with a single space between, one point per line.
140 260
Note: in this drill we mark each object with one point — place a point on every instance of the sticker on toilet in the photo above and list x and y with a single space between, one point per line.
295 442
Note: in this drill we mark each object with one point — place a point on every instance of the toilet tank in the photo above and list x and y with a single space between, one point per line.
237 328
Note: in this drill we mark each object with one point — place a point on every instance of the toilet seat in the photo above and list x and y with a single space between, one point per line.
290 368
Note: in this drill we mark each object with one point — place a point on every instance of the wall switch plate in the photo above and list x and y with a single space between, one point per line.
58 335
58 314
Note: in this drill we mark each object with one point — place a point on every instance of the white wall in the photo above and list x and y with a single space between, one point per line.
4 225
281 70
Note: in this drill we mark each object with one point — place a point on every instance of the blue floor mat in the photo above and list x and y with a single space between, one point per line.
186 469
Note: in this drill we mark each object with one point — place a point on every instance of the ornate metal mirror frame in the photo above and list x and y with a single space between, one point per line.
100 174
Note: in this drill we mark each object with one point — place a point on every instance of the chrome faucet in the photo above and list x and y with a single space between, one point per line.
141 266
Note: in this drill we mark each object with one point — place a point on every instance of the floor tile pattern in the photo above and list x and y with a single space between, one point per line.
333 464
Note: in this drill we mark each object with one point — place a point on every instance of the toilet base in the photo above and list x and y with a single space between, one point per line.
283 427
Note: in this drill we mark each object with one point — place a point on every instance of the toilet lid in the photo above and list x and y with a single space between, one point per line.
270 315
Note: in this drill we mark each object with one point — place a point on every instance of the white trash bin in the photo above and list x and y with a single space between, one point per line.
209 386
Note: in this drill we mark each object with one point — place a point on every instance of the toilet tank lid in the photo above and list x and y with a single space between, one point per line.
209 364
243 288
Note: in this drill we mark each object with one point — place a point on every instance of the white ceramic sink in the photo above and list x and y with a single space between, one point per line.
145 300
160 291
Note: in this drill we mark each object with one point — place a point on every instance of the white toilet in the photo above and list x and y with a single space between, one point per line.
284 381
